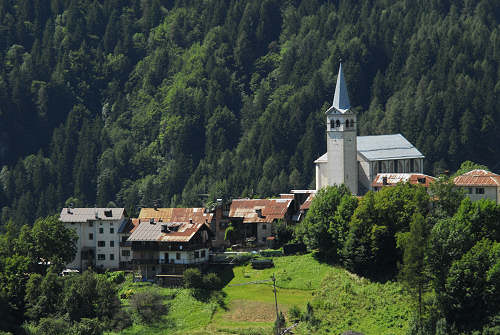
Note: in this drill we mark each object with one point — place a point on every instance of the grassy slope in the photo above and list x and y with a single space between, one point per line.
342 301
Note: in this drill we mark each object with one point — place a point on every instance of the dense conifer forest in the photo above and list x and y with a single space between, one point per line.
129 102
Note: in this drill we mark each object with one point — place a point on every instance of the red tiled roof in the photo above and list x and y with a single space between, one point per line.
307 203
272 209
477 178
394 178
176 214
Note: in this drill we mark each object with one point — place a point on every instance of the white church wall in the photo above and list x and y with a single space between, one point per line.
321 175
364 175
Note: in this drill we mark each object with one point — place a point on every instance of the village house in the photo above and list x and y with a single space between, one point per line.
392 179
168 240
255 218
480 184
124 231
97 231
356 160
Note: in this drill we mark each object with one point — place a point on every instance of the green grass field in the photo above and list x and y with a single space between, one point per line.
342 301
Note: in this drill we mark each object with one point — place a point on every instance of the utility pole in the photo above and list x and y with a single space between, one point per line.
278 331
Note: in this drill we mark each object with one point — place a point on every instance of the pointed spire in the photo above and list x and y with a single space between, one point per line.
341 98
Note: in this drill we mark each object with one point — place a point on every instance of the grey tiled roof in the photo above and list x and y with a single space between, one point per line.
91 214
382 147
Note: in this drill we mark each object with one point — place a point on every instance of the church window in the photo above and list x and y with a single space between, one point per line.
347 123
337 123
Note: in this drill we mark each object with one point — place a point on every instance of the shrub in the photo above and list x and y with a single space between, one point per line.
193 278
242 258
271 253
127 294
294 313
116 277
212 282
148 306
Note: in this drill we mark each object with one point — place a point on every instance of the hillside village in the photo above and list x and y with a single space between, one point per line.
161 243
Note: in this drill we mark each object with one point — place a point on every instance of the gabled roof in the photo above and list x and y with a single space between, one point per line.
341 98
477 178
382 147
151 230
91 214
271 209
307 203
176 214
128 226
393 178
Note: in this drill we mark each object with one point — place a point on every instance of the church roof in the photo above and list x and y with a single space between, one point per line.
382 147
341 98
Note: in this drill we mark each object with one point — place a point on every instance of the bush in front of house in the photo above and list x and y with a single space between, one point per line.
271 253
148 306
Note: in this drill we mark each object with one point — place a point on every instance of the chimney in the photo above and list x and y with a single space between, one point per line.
259 212
384 180
151 221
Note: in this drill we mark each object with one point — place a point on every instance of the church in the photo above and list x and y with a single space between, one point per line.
356 160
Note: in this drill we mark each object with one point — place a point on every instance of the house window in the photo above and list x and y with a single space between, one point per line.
91 224
479 190
101 230
203 254
111 257
178 255
347 123
412 165
379 166
264 226
395 166
352 123
91 236
112 244
337 123
101 243
111 230
125 253
196 254
469 190
332 124
101 257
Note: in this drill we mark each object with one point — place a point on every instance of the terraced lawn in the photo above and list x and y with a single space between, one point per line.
341 300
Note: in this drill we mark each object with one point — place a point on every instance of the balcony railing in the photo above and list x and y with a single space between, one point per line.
168 247
155 261
146 261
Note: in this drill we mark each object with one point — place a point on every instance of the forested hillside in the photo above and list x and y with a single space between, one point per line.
135 101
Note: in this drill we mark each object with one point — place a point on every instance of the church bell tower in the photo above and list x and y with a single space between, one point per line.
342 166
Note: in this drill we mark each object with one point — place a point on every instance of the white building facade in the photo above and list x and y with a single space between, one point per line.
480 184
98 241
356 160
